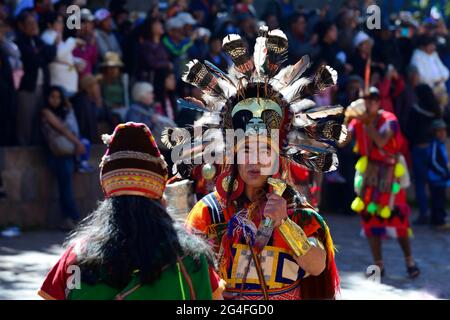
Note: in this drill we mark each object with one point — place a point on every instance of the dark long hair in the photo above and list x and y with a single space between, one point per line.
129 233
64 106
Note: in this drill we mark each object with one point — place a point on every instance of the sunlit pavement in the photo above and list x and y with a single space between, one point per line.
25 260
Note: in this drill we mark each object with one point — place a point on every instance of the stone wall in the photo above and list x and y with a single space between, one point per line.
31 188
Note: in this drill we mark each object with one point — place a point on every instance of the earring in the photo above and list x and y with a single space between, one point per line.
223 185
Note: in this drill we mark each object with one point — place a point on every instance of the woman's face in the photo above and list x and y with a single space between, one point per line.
170 82
257 166
54 99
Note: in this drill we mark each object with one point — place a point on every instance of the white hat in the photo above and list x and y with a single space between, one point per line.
186 18
361 37
102 14
86 15
174 23
140 89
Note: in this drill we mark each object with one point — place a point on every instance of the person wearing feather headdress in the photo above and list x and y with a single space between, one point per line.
271 243
381 177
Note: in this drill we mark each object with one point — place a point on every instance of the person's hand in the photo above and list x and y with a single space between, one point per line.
80 148
275 209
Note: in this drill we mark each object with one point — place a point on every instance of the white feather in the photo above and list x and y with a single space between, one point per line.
302 120
335 162
290 73
260 53
323 112
334 74
277 33
228 89
301 105
189 66
229 38
290 92
343 134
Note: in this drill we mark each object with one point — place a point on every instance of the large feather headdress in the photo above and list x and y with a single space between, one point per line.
257 93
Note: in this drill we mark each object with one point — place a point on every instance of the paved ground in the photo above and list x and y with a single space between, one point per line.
25 260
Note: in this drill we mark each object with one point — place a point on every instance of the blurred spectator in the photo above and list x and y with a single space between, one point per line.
431 69
329 51
176 7
60 128
217 56
248 28
153 57
12 52
7 89
299 41
362 51
88 106
36 56
87 52
245 7
424 110
106 39
177 45
167 97
271 20
347 24
63 71
144 110
438 174
386 48
390 85
407 98
199 35
114 87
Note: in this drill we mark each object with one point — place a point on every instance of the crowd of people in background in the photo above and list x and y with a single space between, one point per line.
126 66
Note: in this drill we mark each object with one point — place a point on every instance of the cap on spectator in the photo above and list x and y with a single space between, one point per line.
186 18
112 59
438 124
360 38
86 15
174 23
140 89
373 93
102 14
